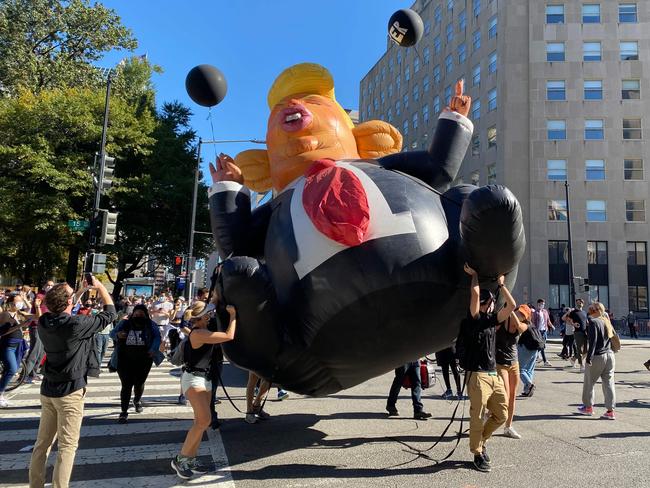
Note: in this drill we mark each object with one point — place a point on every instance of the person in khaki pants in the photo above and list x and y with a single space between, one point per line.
70 357
485 387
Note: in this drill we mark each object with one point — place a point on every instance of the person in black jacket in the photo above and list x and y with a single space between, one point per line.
70 358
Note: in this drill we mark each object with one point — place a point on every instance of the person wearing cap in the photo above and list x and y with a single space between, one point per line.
485 386
507 360
196 384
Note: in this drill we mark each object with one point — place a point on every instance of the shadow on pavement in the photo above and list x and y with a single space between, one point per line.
617 435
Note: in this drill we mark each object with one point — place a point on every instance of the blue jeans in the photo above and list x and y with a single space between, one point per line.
9 358
101 343
527 360
413 371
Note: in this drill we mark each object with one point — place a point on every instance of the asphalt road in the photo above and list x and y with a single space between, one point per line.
347 439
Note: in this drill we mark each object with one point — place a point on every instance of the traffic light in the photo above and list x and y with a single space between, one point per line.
178 265
109 227
97 263
109 169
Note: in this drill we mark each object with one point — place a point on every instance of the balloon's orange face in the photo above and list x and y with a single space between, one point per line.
301 129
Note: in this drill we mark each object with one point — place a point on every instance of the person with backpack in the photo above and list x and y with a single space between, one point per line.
412 370
197 355
446 359
600 362
137 339
531 342
485 387
508 361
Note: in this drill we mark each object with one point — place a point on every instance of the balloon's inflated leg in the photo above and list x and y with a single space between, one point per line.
244 283
492 230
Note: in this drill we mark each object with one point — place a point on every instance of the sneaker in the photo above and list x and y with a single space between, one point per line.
546 363
481 464
531 390
182 467
251 418
512 433
582 368
460 396
421 415
392 412
586 410
609 415
197 467
3 402
447 395
485 455
261 414
647 364
123 418
182 400
524 392
282 394
138 407
29 380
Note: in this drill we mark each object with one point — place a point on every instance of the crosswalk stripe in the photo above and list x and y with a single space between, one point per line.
98 412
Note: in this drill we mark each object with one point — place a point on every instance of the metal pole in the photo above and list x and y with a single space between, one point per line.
572 289
190 251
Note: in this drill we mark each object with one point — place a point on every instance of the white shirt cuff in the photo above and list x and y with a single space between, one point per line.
464 122
220 186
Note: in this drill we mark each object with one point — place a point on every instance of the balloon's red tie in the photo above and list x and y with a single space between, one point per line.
336 202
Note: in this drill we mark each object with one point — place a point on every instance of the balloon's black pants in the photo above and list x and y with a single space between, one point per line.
413 371
215 374
446 359
133 372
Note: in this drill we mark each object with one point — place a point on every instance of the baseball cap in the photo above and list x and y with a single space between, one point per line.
525 310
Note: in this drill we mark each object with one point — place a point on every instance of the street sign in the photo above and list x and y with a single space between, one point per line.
78 225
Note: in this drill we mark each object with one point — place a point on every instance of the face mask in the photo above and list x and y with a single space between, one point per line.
19 305
540 306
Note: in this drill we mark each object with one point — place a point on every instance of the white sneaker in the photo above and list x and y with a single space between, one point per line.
512 433
582 369
547 363
3 402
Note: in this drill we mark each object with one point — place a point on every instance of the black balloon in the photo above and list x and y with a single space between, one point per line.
206 85
405 27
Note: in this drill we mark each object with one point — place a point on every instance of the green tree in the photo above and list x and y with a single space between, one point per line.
52 44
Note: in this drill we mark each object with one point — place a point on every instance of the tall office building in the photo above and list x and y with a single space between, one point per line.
559 93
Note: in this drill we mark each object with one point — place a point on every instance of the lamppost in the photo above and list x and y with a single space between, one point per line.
572 289
190 252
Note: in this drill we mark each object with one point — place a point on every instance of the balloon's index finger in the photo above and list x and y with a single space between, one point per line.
459 87
213 169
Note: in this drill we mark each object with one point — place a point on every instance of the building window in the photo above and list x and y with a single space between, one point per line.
631 128
390 115
437 45
492 136
591 13
405 128
382 98
554 51
476 75
558 252
557 295
596 252
591 51
631 90
450 33
425 84
407 74
636 254
492 62
596 211
447 94
476 8
476 109
427 28
397 82
426 54
556 130
462 53
474 178
399 58
555 14
462 21
492 27
627 13
599 293
398 109
415 121
476 40
449 64
390 90
594 129
637 298
436 73
492 100
450 5
375 104
556 169
557 210
629 50
416 93
405 101
437 15
492 174
425 113
416 65
436 105
635 210
633 169
593 89
556 90
476 145
594 169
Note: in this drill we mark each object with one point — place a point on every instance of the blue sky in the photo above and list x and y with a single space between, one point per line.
251 42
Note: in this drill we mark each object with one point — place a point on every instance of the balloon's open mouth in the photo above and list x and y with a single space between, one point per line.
295 118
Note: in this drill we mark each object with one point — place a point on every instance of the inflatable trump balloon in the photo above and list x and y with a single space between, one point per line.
356 264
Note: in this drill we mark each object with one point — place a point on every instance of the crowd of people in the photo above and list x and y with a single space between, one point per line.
496 350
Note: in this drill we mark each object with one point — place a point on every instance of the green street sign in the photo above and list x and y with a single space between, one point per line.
78 225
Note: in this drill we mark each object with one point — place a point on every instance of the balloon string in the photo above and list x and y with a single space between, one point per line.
212 129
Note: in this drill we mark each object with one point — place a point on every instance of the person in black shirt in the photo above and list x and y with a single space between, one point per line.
578 317
485 387
69 345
